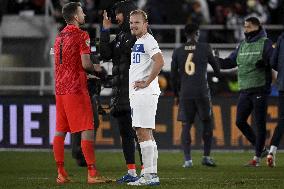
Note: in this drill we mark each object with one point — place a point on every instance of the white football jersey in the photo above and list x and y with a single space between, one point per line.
141 64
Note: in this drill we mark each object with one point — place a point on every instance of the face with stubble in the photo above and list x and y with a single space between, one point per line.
138 25
80 16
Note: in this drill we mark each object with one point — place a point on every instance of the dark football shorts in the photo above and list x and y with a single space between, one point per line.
188 108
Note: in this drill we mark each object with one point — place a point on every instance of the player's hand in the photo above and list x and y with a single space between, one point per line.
176 100
140 85
90 76
106 21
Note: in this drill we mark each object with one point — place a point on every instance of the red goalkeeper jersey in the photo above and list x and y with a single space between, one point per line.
70 77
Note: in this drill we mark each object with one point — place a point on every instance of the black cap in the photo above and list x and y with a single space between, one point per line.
124 7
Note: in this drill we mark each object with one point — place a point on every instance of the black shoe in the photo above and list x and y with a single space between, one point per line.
208 161
81 162
264 153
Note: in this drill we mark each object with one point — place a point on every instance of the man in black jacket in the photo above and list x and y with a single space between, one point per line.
277 63
119 50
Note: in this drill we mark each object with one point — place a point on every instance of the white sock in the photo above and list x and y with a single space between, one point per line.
273 149
147 151
155 158
189 161
132 172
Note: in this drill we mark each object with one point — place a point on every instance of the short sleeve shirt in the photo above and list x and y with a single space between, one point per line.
141 64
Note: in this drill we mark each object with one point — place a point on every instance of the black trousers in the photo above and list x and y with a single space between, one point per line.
279 129
255 103
128 137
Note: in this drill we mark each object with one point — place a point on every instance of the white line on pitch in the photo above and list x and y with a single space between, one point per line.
33 178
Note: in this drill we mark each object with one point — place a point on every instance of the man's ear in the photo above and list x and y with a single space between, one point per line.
76 17
147 24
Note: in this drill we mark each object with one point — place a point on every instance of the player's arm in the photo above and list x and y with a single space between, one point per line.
229 62
88 65
267 52
105 44
212 61
175 73
85 55
157 67
274 57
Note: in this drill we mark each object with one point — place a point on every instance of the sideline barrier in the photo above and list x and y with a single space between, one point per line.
29 122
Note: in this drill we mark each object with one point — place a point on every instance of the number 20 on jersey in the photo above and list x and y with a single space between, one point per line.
135 58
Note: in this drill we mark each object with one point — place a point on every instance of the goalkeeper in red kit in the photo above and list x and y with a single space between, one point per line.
73 105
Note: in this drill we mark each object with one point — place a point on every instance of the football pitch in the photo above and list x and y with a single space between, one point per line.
29 170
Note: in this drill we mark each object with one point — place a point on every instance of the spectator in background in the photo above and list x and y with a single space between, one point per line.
205 11
235 18
276 9
256 9
93 11
38 6
196 16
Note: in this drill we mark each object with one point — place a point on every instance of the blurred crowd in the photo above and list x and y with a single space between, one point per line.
172 12
221 12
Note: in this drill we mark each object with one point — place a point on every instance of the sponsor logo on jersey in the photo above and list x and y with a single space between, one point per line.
88 42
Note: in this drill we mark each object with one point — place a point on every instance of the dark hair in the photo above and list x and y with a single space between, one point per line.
69 10
191 29
124 7
254 20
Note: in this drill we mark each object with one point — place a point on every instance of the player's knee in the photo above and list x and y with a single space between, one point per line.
240 123
88 135
208 133
143 134
186 140
60 134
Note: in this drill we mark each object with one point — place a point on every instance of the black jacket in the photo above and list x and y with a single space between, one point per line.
277 62
119 50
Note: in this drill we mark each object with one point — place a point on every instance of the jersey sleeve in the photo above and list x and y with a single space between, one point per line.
85 43
152 47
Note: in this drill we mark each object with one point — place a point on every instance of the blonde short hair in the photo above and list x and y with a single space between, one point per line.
140 12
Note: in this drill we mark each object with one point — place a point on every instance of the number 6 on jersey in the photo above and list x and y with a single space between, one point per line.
189 65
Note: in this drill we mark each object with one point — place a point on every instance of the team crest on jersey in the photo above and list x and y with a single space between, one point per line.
138 48
88 42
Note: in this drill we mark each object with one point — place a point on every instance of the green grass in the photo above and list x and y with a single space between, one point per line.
29 170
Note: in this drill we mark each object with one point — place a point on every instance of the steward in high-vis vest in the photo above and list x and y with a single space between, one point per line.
254 79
